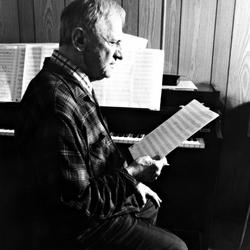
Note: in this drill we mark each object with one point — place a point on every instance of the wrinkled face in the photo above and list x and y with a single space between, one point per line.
103 49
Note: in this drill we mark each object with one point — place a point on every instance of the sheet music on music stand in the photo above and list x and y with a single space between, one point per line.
171 133
11 71
19 63
136 80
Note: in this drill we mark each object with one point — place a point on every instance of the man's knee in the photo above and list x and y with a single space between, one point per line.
173 242
178 245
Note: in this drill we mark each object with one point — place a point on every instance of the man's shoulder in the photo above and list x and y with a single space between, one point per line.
43 89
55 88
42 86
65 93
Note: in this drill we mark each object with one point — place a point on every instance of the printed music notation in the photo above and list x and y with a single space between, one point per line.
171 133
136 81
11 72
19 63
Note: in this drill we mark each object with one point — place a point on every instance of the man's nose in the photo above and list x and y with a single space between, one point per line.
118 54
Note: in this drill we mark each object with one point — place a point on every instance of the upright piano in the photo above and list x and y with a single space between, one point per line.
187 187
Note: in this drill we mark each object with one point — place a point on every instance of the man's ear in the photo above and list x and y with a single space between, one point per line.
79 39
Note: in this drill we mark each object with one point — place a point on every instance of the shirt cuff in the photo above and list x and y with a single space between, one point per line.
125 173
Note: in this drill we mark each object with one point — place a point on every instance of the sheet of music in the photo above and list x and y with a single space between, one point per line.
19 63
11 72
136 81
34 58
32 64
178 128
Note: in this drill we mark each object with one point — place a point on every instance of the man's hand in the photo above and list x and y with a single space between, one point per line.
145 192
146 169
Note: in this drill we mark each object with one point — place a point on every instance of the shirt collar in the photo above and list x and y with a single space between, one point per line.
72 69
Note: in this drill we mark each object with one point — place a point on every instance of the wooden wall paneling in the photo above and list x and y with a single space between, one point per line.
234 182
9 26
26 21
69 1
222 46
47 19
239 75
172 35
150 15
219 78
131 7
196 41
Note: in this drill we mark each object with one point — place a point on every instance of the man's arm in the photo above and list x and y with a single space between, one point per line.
98 197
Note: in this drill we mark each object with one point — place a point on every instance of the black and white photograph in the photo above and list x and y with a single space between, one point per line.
124 125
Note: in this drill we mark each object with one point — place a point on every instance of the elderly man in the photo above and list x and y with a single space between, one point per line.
84 194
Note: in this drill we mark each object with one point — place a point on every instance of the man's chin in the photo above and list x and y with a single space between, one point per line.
107 74
104 74
101 76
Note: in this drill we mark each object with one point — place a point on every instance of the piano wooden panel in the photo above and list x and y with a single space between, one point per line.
206 94
187 188
14 225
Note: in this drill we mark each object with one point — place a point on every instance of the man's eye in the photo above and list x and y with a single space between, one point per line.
113 43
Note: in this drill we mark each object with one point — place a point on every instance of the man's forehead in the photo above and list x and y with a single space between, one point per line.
111 27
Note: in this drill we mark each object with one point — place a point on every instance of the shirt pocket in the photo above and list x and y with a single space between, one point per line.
99 153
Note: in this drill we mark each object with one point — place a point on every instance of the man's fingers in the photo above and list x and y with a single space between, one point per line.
146 192
161 163
144 198
164 161
157 157
155 198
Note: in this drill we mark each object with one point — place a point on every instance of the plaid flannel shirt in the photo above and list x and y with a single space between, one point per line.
67 147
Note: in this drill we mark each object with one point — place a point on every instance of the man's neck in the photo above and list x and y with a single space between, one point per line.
75 57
